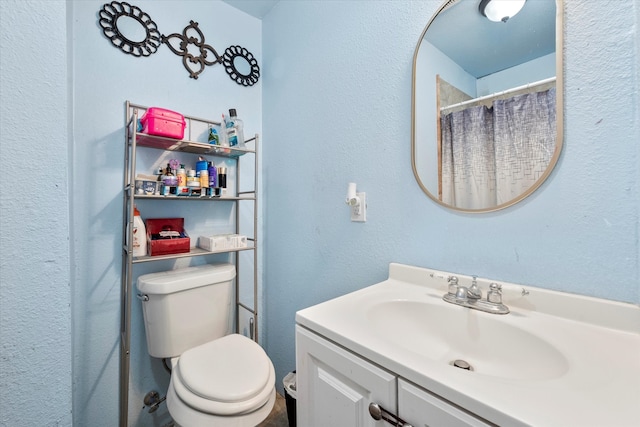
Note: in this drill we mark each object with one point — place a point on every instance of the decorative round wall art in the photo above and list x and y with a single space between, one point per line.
237 56
130 29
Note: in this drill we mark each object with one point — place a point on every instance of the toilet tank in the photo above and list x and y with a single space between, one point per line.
186 307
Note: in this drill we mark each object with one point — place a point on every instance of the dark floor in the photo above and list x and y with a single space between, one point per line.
278 415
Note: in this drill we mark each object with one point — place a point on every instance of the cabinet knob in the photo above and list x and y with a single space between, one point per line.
377 412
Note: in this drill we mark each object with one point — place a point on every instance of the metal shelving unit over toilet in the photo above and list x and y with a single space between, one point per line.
135 139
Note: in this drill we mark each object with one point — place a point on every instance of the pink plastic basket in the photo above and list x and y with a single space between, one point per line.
161 122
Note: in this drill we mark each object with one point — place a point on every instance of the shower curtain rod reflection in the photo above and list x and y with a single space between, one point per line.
504 92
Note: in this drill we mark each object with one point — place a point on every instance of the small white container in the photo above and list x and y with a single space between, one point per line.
147 187
222 242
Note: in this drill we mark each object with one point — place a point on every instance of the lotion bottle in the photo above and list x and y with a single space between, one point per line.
204 178
139 245
182 177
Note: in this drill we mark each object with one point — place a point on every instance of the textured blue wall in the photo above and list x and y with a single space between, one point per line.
337 108
337 83
103 79
63 91
35 312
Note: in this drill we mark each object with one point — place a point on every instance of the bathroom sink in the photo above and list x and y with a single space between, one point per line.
489 343
556 359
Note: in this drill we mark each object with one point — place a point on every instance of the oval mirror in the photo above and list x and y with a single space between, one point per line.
487 102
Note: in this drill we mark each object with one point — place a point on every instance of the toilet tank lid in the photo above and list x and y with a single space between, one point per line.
167 282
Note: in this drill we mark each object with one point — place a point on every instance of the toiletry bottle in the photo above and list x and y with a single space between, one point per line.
213 175
201 165
182 177
223 140
162 176
214 137
235 130
204 178
139 245
169 179
192 180
222 180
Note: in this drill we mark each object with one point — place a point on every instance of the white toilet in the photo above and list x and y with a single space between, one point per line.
217 378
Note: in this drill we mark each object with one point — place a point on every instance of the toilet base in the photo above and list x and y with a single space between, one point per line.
185 416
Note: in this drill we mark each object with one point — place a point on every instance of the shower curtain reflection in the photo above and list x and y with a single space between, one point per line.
492 155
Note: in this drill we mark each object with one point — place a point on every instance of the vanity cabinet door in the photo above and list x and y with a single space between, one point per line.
335 387
421 408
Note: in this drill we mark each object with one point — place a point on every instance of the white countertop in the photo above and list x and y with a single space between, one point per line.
593 381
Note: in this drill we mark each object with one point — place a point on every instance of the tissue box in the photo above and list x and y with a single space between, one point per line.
167 236
222 242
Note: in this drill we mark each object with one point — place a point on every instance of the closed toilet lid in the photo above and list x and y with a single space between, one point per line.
230 369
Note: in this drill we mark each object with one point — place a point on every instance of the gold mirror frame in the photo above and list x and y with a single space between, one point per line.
559 116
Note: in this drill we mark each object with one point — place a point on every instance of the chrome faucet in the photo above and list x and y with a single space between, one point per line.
471 297
474 291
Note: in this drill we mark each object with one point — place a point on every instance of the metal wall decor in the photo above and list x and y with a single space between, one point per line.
109 16
229 57
182 49
179 44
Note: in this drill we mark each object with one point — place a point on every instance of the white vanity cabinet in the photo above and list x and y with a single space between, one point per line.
335 388
419 407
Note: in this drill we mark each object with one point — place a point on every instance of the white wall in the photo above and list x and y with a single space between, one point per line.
35 312
337 106
535 70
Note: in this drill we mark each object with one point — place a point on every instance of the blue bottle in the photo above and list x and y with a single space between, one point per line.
213 176
214 138
235 131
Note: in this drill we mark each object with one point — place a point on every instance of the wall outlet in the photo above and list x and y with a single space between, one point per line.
359 213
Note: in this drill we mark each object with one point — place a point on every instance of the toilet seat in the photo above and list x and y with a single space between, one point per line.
228 376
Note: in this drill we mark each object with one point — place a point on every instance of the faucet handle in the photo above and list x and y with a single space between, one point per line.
495 293
453 284
474 291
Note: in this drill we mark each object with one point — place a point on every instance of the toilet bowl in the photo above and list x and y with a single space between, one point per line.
218 378
226 382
